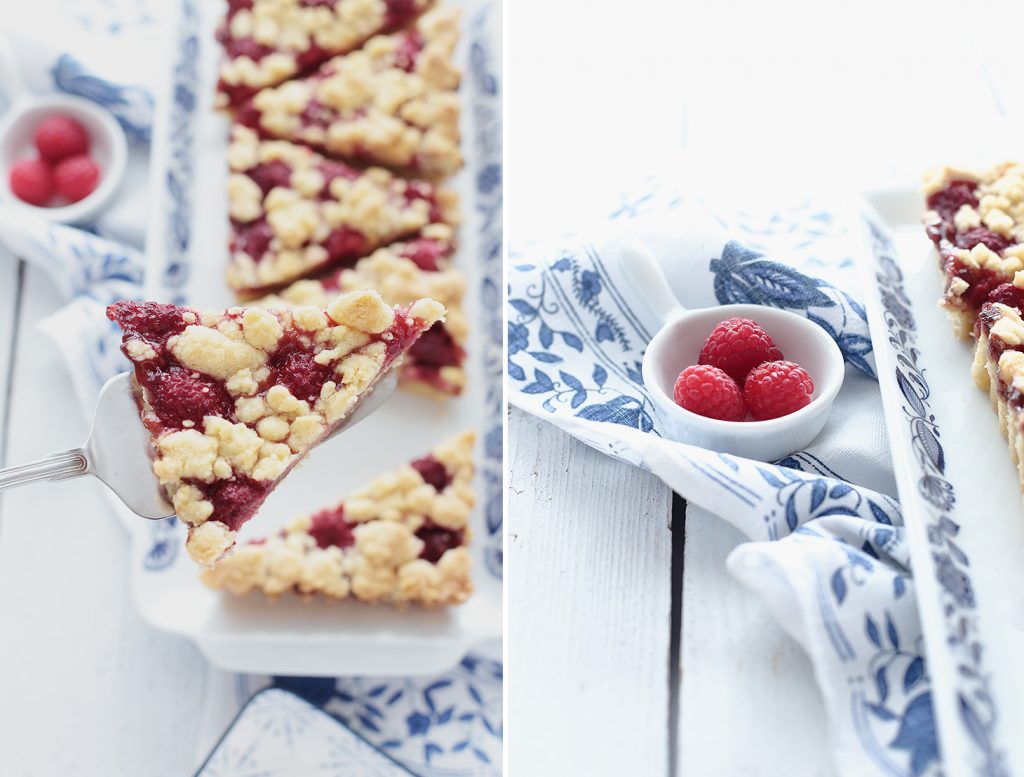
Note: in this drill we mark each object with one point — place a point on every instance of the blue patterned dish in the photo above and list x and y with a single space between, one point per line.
959 493
277 734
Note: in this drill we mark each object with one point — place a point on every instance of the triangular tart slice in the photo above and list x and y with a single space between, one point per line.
294 212
234 399
269 41
391 103
401 539
434 365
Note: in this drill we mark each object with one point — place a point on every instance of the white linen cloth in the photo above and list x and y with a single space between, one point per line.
826 550
444 725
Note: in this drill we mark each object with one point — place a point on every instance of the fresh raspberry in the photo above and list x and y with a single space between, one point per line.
59 137
737 346
710 392
776 389
31 181
76 177
1008 294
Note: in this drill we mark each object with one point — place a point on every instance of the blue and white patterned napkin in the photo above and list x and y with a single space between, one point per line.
445 725
826 550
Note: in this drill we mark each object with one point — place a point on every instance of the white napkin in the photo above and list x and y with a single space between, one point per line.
826 550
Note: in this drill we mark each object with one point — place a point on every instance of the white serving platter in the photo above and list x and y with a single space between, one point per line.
186 254
959 492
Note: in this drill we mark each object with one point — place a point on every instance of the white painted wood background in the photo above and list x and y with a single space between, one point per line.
756 99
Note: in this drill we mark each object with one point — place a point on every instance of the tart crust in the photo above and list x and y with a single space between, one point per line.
998 368
234 399
392 102
401 539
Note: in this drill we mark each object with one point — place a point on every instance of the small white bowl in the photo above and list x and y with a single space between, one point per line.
678 343
108 147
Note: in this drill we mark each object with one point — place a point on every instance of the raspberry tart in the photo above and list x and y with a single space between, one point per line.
294 212
234 399
434 364
999 369
976 220
391 103
401 539
269 41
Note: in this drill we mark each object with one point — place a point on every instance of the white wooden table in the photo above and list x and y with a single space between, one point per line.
630 649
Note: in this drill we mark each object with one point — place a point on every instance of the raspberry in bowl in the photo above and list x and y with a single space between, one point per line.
61 157
800 401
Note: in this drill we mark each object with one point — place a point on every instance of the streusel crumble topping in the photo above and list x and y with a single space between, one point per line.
270 41
234 399
434 363
294 212
392 102
401 539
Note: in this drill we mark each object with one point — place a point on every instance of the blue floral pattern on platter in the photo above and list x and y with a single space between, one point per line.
977 709
484 91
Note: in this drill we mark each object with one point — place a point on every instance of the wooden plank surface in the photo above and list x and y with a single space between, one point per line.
749 703
589 599
10 287
88 688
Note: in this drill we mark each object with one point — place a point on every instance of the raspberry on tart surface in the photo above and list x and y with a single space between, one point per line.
400 539
434 364
269 41
976 221
234 399
392 103
294 212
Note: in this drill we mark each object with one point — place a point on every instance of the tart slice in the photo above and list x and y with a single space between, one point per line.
401 539
999 368
234 399
976 221
269 41
294 212
434 365
391 103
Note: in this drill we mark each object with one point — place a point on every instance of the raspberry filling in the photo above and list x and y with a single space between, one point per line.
426 253
329 527
437 540
435 349
433 472
235 500
179 395
949 200
292 365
